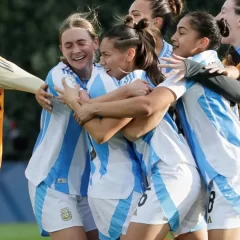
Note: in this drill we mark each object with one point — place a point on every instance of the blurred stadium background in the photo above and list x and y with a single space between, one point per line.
29 38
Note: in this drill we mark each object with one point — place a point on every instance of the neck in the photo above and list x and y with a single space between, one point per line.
159 45
84 73
130 69
236 44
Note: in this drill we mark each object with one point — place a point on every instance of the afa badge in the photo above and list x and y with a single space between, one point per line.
66 214
70 81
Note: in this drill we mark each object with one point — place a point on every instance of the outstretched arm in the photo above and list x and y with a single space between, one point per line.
137 88
215 80
222 84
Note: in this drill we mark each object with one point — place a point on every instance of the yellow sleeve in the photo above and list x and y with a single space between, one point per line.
1 122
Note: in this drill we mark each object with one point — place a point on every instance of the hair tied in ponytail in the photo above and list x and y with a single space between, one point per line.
223 26
129 21
141 25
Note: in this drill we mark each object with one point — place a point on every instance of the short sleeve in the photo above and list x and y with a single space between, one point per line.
178 88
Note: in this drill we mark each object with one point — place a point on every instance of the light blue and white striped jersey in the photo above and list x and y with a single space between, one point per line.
211 127
60 157
115 170
166 52
162 143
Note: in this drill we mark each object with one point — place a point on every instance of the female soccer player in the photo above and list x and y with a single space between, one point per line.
58 171
176 195
212 129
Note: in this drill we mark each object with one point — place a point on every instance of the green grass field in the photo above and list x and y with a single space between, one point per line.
21 232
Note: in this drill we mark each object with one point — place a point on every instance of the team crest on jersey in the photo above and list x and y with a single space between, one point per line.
62 180
70 81
66 214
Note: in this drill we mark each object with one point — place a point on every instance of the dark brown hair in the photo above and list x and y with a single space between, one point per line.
206 26
131 34
167 10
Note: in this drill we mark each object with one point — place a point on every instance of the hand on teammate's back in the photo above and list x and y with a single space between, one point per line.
42 97
229 71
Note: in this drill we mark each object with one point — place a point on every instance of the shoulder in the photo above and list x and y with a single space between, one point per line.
166 50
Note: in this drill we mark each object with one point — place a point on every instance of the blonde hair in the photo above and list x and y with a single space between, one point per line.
86 21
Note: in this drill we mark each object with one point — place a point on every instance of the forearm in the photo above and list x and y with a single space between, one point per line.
75 106
223 85
140 126
136 107
119 94
130 108
101 130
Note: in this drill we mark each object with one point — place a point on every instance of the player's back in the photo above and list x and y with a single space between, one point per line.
60 157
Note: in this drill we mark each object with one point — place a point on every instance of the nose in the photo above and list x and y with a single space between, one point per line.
76 48
218 17
173 38
101 62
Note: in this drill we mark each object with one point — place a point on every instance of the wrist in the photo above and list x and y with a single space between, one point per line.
127 91
95 109
73 104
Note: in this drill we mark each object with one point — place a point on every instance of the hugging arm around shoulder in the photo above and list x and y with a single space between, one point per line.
227 87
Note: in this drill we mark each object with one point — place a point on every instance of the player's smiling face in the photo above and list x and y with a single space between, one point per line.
116 62
78 48
185 40
233 20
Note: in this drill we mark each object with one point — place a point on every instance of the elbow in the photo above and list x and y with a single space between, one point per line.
100 138
146 108
130 134
131 137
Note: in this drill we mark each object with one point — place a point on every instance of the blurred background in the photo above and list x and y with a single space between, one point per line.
29 38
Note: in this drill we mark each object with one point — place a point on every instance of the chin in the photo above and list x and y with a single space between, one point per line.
177 52
79 65
226 40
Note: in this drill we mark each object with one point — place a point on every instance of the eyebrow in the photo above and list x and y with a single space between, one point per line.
78 40
136 11
181 27
103 52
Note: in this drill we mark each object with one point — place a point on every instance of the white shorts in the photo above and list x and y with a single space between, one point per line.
113 216
223 210
55 210
176 195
